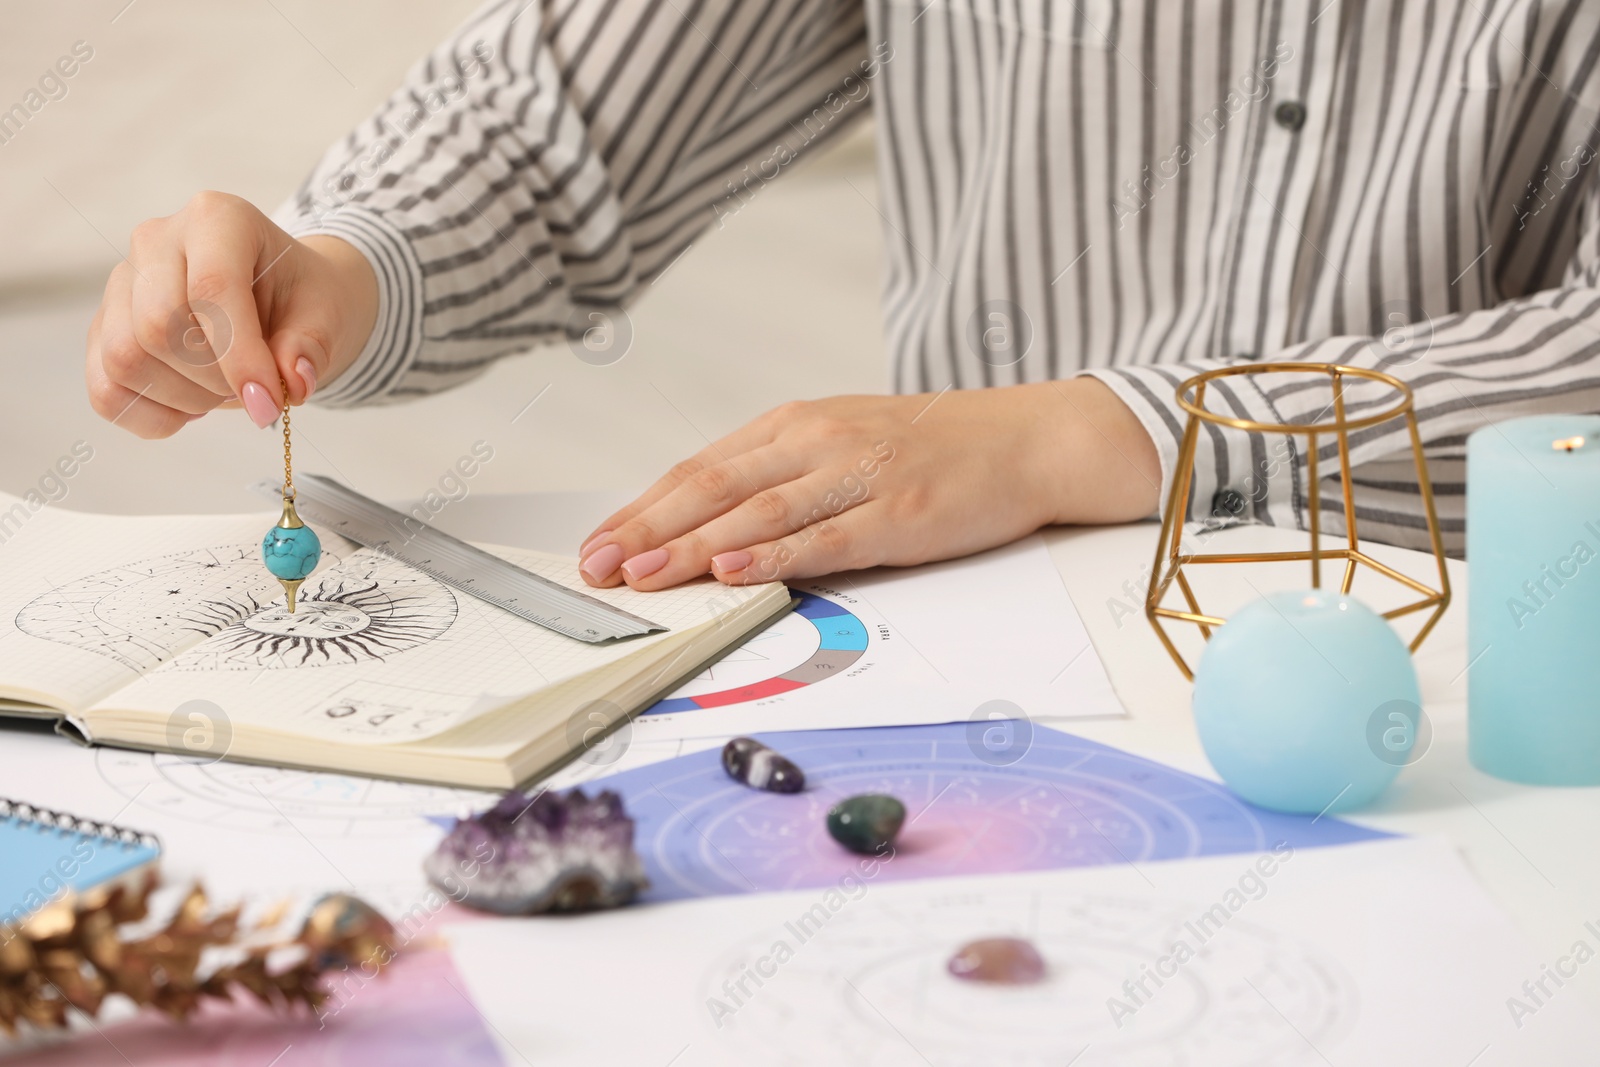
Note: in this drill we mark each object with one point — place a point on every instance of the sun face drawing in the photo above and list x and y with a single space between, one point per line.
366 609
218 609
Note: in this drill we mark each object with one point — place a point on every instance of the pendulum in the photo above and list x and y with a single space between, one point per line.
291 548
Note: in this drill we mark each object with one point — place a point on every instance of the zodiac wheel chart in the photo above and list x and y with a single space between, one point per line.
819 639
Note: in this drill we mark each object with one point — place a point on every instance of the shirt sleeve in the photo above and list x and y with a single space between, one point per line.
1535 354
552 157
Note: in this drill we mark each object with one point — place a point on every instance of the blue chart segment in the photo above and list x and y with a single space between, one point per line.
833 635
1066 802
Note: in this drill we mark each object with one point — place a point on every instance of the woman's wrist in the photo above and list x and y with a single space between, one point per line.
354 287
1100 463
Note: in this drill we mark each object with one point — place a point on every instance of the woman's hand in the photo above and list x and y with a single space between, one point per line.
212 307
832 485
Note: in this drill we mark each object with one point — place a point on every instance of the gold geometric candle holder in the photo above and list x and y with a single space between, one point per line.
1171 560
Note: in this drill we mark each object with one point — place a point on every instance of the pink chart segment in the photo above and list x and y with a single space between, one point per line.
1048 800
838 641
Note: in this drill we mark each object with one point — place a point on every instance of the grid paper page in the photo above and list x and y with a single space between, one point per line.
89 602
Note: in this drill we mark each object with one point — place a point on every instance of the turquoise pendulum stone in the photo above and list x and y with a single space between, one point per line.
291 550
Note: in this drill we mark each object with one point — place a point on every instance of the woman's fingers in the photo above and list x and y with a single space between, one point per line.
167 387
157 306
223 250
120 371
730 449
769 515
128 408
695 500
851 541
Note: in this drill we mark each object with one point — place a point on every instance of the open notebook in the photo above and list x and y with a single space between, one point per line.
167 633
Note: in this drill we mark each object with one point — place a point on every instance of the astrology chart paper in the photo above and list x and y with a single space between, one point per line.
1382 954
1047 799
895 646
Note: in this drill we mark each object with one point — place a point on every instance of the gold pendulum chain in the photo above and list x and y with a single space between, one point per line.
288 453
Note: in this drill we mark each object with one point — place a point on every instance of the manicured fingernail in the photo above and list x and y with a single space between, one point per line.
729 562
308 374
603 564
645 564
595 540
258 405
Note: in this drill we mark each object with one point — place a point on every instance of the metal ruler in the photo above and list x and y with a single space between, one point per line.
458 564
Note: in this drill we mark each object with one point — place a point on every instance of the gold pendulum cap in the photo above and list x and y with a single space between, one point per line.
291 589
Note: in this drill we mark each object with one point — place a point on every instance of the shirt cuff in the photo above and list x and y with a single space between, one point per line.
397 333
1239 476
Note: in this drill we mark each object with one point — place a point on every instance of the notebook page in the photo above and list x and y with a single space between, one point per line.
379 653
89 602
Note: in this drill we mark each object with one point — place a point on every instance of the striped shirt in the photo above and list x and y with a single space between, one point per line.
1133 189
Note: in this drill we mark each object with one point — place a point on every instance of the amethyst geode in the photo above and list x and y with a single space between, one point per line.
555 852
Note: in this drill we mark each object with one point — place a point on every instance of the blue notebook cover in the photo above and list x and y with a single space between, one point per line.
44 854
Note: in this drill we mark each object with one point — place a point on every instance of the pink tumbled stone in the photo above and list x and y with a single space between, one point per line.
1003 960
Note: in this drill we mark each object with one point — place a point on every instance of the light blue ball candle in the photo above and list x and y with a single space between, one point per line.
1295 699
291 554
1533 599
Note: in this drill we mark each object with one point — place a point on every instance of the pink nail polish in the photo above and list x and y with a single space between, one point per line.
595 540
645 564
308 374
603 564
731 562
258 404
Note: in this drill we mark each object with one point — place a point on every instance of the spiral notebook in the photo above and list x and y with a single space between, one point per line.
44 854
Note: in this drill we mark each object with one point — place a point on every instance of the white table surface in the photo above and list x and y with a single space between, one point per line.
1534 849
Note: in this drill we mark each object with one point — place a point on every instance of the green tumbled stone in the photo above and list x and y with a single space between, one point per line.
866 823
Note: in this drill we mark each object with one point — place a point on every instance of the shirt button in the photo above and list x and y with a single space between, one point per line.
1245 357
1227 504
1291 115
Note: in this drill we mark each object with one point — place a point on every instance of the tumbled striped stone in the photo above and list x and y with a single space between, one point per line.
759 767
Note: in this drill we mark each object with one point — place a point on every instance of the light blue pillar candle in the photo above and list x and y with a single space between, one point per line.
1533 599
1307 702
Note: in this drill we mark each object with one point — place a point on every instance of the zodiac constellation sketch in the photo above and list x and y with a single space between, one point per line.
217 609
139 614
